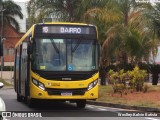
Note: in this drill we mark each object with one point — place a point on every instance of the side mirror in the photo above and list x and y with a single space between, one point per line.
30 48
1 85
99 52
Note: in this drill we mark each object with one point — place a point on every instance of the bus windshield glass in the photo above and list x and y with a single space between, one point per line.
64 55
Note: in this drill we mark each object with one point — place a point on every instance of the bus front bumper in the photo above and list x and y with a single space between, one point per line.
64 94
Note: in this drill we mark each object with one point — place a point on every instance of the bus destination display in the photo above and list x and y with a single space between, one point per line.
68 30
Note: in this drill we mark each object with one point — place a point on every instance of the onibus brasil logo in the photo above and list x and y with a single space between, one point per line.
21 114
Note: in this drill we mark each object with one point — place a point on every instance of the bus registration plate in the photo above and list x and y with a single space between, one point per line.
66 93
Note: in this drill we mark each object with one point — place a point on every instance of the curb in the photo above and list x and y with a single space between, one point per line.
145 109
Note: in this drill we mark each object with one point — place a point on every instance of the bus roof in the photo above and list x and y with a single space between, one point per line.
66 23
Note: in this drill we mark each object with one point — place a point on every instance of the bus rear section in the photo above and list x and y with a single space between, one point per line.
62 64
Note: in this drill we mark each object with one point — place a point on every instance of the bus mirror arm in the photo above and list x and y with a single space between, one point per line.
29 49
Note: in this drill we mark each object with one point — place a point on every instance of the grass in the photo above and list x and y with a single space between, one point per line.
5 83
149 99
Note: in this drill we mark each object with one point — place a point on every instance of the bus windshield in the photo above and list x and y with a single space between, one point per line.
64 55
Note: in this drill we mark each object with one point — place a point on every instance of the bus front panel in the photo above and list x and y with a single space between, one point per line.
65 90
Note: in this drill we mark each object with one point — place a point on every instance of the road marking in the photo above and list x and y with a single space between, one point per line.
90 106
102 109
151 119
94 106
97 107
111 109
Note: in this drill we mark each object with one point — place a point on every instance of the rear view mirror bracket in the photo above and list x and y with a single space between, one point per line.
30 48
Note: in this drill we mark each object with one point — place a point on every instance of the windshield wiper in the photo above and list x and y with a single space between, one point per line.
54 45
76 46
56 48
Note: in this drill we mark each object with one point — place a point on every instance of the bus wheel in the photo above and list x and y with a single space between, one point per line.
81 103
19 98
30 102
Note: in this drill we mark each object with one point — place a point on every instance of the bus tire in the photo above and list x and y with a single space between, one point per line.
19 98
26 94
81 104
30 102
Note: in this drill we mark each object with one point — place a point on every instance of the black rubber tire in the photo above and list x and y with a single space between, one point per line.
31 102
81 104
19 98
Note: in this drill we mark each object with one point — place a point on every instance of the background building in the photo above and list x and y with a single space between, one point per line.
12 37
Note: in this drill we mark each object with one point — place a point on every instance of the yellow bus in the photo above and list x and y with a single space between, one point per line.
57 61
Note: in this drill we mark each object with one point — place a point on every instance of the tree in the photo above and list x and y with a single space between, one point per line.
11 9
153 17
62 10
104 18
153 20
31 9
127 38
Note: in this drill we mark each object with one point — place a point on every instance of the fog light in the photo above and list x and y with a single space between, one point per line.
39 94
92 94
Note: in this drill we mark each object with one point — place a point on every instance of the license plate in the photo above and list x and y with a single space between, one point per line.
66 94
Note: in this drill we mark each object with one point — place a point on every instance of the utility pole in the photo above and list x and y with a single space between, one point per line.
1 39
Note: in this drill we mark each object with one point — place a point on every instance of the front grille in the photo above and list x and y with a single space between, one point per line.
53 91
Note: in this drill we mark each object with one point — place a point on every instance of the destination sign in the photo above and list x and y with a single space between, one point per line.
68 30
71 30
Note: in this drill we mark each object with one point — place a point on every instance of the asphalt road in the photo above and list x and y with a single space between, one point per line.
65 111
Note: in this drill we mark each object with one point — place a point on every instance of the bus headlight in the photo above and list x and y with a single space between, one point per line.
38 84
92 84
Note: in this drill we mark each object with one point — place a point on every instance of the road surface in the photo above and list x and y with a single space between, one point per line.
66 111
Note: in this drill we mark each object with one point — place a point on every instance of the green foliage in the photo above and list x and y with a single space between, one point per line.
121 80
7 68
136 78
119 67
62 10
118 80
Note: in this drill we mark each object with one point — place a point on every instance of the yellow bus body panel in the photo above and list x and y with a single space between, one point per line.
37 93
